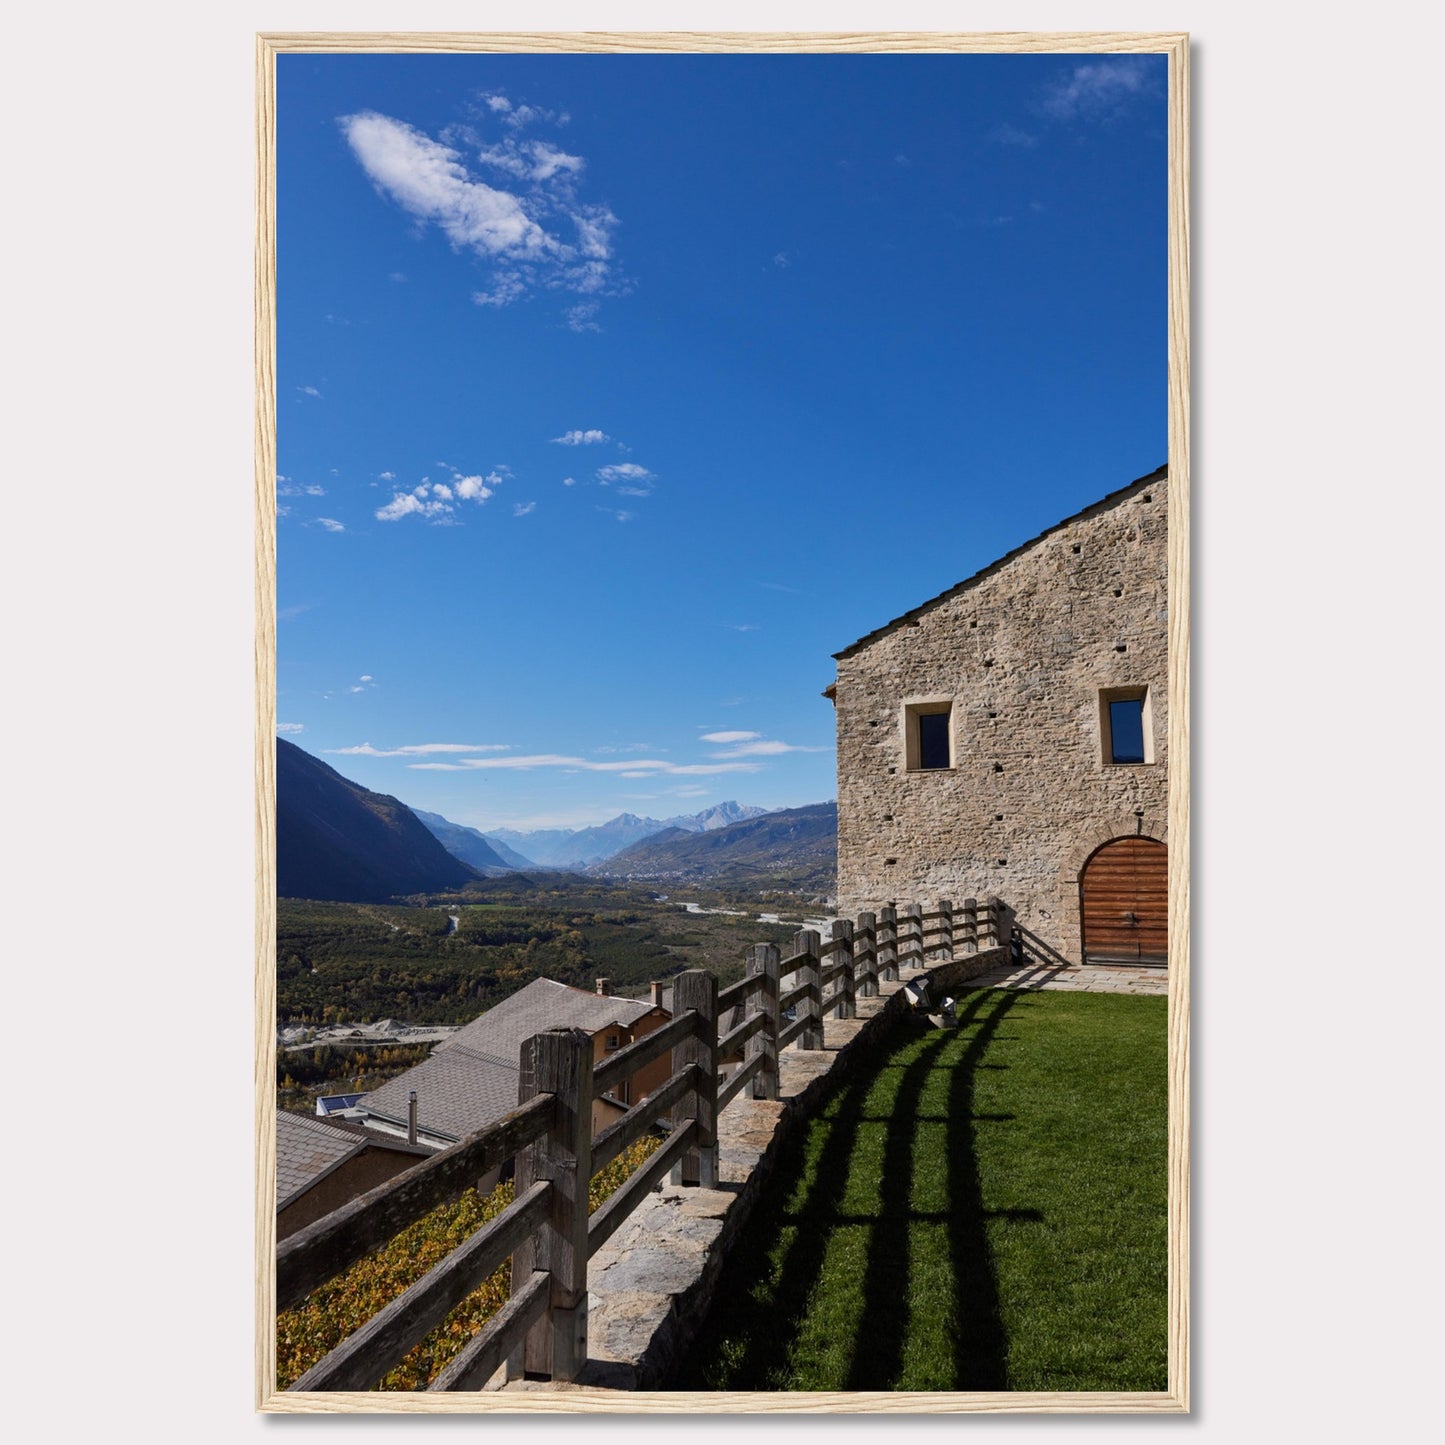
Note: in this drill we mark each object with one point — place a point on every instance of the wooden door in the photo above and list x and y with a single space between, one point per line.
1124 902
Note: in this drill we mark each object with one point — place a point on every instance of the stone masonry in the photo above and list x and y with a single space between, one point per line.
1020 652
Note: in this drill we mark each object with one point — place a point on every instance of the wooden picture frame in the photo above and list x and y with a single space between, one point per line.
1175 1399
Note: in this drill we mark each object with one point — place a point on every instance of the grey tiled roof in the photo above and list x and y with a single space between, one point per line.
306 1149
472 1078
309 1148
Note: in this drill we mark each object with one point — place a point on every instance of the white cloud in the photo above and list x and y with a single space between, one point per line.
539 234
398 276
308 391
569 481
290 727
638 768
331 524
1100 89
620 515
435 500
624 472
366 677
581 317
387 476
1011 135
365 750
520 509
581 438
764 748
782 260
357 688
730 737
407 504
285 487
741 626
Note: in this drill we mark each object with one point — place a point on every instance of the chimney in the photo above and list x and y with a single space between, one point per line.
411 1118
602 986
656 987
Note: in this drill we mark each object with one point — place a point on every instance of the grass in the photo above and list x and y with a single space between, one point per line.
981 1209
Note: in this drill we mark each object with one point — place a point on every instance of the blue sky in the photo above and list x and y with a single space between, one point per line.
616 393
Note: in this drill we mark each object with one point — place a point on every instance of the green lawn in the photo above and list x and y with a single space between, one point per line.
980 1210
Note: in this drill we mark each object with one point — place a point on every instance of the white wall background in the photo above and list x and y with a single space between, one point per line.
128 726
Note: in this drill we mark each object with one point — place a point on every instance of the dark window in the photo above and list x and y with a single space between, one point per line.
1126 730
933 751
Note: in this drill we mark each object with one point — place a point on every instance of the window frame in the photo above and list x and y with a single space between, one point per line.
1142 694
914 708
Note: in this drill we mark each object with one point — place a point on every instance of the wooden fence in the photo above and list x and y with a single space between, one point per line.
546 1230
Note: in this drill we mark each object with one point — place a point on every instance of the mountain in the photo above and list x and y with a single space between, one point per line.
794 849
509 856
468 844
578 847
339 841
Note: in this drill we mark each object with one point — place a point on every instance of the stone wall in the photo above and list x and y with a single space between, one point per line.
1022 652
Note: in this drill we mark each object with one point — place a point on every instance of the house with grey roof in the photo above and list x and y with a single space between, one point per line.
473 1077
321 1164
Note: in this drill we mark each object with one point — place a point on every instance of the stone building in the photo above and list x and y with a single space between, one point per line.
1009 737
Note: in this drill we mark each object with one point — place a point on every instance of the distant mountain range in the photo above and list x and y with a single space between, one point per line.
579 847
471 846
339 841
794 849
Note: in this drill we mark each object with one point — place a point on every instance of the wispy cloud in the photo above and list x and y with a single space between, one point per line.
742 626
330 523
618 513
1011 135
764 748
308 391
581 438
782 260
506 224
365 750
730 737
290 727
632 768
583 316
569 481
638 480
386 476
285 487
520 509
1101 89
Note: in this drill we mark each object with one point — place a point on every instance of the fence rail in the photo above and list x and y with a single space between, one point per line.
547 1230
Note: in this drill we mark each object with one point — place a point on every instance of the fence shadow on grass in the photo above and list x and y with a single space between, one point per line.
764 1297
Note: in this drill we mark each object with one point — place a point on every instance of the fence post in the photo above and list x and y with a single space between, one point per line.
807 945
999 912
888 943
911 948
970 925
987 925
847 985
558 1062
763 963
697 989
865 955
945 929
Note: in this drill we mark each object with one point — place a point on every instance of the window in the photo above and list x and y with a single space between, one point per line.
1126 726
928 734
614 1041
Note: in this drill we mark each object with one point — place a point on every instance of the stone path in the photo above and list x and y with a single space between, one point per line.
1092 978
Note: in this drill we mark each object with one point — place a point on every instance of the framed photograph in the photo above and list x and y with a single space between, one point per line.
723 723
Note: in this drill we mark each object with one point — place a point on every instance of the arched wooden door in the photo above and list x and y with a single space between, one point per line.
1124 902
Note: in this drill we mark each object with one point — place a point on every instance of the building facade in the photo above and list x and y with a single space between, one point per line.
1010 737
